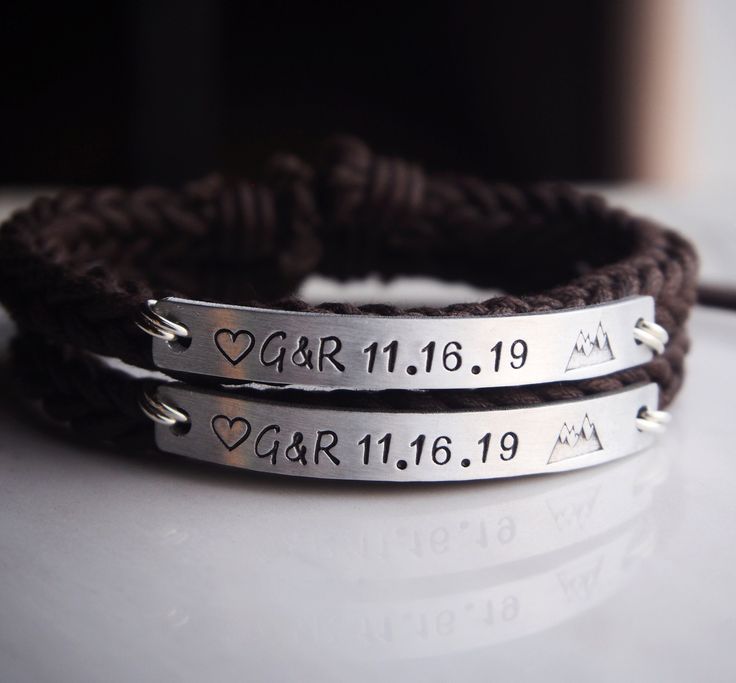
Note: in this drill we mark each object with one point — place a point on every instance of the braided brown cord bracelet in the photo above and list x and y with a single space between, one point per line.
597 299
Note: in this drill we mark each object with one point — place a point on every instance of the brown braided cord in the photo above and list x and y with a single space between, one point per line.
91 399
717 296
77 267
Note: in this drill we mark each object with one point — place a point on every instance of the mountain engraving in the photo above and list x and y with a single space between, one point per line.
573 442
590 349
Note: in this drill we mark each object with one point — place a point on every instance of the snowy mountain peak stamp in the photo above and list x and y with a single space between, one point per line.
590 349
573 442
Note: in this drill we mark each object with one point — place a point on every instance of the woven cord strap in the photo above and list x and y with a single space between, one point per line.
77 267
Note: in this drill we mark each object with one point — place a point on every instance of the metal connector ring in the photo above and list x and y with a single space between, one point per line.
156 325
654 421
160 412
652 335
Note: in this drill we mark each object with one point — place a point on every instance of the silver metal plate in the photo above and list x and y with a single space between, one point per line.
396 446
372 352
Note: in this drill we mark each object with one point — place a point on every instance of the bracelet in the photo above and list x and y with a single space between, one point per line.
595 292
376 352
337 435
570 369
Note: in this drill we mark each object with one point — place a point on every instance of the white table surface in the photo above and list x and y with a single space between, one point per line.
132 568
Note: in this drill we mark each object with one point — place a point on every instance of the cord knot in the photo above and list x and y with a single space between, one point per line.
365 196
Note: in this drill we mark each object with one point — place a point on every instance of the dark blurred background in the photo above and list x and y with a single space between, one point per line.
140 91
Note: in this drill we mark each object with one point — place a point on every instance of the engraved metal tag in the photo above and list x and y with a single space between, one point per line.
373 352
397 446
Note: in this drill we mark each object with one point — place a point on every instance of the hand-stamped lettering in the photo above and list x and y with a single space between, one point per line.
329 347
326 440
302 357
278 359
281 350
321 446
274 449
297 451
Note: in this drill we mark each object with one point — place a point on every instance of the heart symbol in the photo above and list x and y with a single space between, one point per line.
231 348
231 431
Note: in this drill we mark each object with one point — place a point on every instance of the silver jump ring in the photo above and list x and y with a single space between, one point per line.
160 412
652 335
155 325
654 421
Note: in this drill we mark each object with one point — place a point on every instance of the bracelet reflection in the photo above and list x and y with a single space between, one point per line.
429 572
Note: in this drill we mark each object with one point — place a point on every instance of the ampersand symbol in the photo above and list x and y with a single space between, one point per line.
302 352
298 448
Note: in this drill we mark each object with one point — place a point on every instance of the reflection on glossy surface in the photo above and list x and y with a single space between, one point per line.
442 570
443 531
